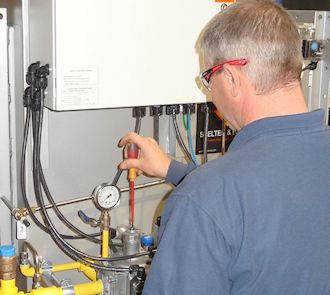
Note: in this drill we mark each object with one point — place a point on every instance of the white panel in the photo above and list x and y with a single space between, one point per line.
119 53
5 227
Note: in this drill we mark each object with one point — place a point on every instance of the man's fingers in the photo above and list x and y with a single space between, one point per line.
131 137
129 163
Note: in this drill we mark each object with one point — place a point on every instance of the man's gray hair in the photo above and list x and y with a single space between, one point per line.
264 34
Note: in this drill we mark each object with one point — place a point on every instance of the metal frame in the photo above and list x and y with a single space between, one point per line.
5 144
316 83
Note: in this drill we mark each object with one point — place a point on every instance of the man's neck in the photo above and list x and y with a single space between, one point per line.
288 100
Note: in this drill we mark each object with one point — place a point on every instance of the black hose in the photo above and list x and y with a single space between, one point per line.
72 227
137 127
37 182
23 179
69 249
180 140
37 128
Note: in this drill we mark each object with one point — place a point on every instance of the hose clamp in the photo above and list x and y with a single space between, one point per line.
67 287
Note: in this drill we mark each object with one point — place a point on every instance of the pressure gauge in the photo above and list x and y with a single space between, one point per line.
106 196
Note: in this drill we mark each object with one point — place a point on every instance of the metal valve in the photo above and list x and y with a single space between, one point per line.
19 214
88 220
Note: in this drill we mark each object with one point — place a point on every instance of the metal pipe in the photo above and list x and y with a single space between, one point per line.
35 255
87 198
9 205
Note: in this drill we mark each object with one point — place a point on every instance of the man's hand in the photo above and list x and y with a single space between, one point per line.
152 161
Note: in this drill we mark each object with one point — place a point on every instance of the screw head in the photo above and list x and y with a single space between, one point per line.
223 6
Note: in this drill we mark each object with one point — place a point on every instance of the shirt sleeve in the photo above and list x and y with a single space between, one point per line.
177 171
193 254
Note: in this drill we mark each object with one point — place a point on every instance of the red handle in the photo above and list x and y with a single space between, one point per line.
132 151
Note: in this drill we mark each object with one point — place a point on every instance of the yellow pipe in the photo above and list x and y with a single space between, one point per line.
105 243
67 266
46 291
8 287
89 272
91 288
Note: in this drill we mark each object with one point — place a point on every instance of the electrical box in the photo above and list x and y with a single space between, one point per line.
109 54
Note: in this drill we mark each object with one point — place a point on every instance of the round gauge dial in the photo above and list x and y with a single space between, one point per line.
106 196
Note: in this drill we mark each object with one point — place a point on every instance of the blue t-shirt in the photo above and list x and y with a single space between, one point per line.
253 222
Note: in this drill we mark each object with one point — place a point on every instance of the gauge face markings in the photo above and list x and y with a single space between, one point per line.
107 196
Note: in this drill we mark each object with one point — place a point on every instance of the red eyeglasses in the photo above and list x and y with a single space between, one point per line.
206 75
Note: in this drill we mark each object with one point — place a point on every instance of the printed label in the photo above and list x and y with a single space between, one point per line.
214 133
79 87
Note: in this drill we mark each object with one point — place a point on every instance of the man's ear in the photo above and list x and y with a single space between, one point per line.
233 79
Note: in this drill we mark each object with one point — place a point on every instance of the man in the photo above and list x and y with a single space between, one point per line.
257 220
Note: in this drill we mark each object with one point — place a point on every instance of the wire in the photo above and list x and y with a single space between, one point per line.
68 248
23 183
184 121
72 227
180 140
23 178
137 127
156 128
189 135
311 66
38 179
206 127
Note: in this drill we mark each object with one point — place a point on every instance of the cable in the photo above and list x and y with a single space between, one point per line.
137 127
54 233
184 121
206 127
311 66
23 179
189 135
38 179
180 140
72 227
155 112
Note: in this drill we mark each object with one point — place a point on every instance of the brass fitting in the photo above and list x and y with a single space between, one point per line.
19 213
8 267
105 220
